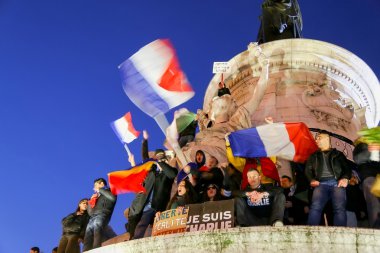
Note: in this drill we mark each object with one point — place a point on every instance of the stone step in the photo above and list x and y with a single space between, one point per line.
301 239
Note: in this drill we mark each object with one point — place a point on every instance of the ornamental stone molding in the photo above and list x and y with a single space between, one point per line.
310 81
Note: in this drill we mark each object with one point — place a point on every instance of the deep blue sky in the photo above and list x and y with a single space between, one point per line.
60 89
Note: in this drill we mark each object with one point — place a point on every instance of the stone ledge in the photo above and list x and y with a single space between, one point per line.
257 239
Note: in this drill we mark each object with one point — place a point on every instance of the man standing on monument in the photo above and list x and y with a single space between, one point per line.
328 173
100 208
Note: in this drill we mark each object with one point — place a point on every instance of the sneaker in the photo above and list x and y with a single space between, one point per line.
278 223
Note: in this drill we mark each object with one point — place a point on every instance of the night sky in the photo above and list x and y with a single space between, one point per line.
60 89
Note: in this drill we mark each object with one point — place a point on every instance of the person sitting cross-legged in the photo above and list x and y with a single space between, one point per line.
259 204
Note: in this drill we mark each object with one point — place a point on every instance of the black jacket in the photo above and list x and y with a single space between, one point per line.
262 209
104 205
74 224
338 163
159 181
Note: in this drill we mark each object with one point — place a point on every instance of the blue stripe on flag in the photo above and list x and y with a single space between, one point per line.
116 132
247 143
140 91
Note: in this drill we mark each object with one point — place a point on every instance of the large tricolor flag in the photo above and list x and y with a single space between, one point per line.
290 141
124 181
124 129
153 79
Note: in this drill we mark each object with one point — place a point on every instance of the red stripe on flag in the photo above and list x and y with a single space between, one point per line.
131 129
173 79
302 139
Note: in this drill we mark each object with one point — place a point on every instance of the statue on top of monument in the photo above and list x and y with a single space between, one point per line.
280 19
225 116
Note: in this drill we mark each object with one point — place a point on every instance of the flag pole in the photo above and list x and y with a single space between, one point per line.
164 124
127 149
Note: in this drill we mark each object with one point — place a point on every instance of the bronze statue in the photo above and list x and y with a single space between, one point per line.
280 19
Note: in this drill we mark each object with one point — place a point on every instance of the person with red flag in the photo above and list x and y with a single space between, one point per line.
100 208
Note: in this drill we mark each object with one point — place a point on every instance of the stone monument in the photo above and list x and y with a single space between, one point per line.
310 81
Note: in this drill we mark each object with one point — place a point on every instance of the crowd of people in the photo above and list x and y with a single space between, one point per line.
328 189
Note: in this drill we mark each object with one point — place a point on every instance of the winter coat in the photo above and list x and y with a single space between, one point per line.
337 161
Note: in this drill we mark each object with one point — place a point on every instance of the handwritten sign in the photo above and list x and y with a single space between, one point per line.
221 67
170 222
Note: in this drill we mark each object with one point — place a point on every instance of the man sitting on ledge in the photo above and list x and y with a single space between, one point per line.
259 204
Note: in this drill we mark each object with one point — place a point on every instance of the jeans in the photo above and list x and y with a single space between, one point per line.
352 222
324 192
146 219
373 203
94 232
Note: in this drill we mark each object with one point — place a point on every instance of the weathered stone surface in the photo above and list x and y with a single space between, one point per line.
257 239
346 90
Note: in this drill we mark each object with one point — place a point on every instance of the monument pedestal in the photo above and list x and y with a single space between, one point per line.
257 239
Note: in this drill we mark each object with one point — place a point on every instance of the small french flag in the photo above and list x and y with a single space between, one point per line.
290 141
153 79
124 129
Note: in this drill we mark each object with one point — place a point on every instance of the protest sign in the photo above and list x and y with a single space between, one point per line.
221 67
211 216
171 221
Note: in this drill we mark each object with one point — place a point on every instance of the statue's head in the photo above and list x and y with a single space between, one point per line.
222 107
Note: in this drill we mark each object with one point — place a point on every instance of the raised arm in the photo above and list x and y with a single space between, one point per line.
168 170
261 85
144 147
108 194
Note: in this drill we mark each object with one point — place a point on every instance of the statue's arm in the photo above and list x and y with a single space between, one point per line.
261 86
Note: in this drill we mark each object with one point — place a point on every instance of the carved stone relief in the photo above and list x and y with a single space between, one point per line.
327 105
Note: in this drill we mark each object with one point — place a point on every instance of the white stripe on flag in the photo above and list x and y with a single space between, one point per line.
121 126
276 141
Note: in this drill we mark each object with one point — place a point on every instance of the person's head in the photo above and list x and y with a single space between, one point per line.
160 154
99 183
200 157
323 140
212 162
253 176
181 190
34 250
184 190
286 182
82 205
211 191
54 250
222 108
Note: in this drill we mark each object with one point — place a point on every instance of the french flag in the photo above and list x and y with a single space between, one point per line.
290 141
153 79
124 129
